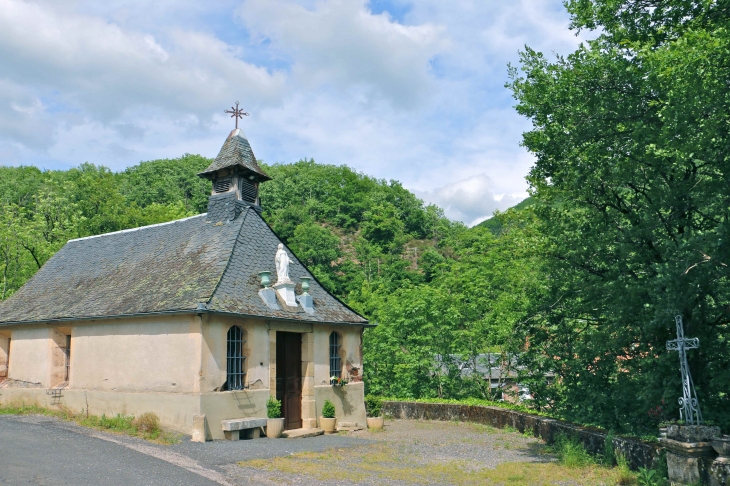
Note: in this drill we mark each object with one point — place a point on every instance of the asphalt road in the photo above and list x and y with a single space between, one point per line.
36 450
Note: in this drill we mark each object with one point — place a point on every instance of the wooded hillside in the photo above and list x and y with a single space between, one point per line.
627 226
438 290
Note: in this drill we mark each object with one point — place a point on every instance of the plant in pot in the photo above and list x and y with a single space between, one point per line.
337 381
373 407
274 423
328 420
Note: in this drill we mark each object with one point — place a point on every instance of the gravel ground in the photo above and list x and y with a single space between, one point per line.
406 452
43 450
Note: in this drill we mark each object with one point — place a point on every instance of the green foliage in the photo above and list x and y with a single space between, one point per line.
273 408
609 455
328 409
168 181
632 195
146 425
649 477
373 405
625 476
462 318
352 231
474 402
571 452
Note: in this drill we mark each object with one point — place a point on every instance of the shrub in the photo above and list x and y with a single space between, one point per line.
625 476
649 477
373 405
661 465
328 409
273 408
571 451
147 424
609 456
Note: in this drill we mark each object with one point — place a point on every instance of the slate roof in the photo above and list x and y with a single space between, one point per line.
236 152
166 268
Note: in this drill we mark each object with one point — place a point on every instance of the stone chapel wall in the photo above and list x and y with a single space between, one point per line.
154 354
256 350
350 353
30 353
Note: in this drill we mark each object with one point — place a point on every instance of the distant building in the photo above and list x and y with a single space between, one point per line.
175 319
501 373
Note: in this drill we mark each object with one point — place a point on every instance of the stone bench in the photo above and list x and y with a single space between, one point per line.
245 428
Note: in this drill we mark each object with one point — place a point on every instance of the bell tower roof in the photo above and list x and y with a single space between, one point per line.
236 156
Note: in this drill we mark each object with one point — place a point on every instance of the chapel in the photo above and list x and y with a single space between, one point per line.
205 316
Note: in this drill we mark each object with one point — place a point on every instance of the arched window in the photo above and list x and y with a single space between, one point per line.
335 360
235 359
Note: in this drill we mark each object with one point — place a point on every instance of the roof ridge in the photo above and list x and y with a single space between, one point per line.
129 230
228 262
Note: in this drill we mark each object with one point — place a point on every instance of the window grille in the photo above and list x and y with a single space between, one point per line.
235 370
248 191
335 360
222 185
67 352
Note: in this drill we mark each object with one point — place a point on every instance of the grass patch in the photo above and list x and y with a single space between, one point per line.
146 426
571 452
383 462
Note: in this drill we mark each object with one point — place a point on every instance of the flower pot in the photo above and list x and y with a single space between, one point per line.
328 424
274 428
722 445
265 279
375 423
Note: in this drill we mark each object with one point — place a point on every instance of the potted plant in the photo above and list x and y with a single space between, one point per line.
337 381
274 423
372 408
328 420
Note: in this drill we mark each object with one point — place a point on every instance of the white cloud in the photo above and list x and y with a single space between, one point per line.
339 43
419 99
471 200
105 70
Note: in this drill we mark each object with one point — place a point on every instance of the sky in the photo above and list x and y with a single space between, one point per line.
400 90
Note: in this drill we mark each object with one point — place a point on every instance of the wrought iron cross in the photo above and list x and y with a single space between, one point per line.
236 113
689 407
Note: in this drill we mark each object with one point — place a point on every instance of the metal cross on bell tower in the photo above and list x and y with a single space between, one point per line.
236 113
689 407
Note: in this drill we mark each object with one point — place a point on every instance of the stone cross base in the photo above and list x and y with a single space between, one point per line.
688 462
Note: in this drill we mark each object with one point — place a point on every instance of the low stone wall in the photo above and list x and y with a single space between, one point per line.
639 453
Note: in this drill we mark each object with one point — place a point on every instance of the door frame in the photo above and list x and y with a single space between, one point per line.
308 412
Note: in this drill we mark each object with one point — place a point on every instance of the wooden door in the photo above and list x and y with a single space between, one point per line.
289 377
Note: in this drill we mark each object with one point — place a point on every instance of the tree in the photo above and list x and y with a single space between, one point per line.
631 187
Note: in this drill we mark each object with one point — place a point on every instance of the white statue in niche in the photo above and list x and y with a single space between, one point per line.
282 265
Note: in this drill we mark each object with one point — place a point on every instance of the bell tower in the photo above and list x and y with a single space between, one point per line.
236 176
